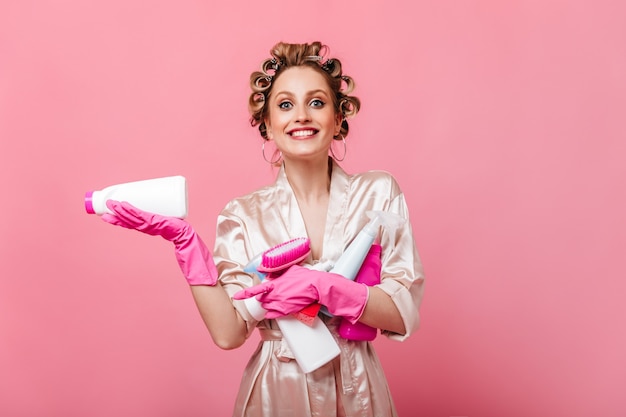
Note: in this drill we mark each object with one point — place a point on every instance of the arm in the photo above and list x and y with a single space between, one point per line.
381 312
300 286
394 301
402 277
391 306
225 325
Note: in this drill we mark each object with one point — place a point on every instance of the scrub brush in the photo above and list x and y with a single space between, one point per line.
284 255
280 257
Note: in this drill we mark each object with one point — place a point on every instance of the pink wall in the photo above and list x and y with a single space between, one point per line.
503 122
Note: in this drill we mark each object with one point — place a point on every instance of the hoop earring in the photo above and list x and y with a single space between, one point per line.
272 162
345 150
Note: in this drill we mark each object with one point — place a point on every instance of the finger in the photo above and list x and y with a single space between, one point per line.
278 310
253 291
116 221
111 218
110 203
113 205
128 213
273 315
148 222
124 209
248 293
134 211
121 204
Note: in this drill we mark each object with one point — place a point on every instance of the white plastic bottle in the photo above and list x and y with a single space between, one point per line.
351 260
312 345
166 196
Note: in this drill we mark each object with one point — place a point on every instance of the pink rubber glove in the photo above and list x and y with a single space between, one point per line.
193 257
369 274
299 287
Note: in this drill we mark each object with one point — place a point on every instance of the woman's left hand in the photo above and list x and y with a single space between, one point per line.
300 287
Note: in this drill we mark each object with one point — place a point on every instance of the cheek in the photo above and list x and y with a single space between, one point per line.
278 121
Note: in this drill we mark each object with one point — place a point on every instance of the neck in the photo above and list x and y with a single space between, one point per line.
310 180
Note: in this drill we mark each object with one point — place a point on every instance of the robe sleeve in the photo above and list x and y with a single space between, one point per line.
231 256
402 276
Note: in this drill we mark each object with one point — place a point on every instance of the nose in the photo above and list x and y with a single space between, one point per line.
302 114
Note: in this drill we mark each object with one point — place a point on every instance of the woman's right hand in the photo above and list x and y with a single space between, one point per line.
193 256
130 217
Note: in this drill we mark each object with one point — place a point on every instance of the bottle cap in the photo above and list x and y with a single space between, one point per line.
89 203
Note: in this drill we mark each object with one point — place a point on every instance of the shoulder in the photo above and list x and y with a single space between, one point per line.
250 204
377 180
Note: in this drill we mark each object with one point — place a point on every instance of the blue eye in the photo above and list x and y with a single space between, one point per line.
317 103
285 105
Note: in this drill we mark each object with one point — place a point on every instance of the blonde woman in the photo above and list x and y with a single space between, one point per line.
301 102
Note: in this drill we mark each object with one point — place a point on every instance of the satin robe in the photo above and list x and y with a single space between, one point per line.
353 384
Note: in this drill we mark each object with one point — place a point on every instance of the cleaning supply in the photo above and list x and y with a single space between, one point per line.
166 196
307 336
312 346
359 255
283 255
278 259
300 286
350 261
192 254
369 274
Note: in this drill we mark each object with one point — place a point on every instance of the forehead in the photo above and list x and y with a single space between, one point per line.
300 80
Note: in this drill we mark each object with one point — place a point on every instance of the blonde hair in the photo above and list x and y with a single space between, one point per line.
286 55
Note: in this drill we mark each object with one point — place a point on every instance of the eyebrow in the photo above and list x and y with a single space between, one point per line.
308 93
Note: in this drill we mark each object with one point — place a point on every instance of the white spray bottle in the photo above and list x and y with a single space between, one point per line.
312 345
350 261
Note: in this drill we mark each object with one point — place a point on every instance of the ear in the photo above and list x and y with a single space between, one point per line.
338 121
268 129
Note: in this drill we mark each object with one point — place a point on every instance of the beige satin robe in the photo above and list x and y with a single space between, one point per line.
353 384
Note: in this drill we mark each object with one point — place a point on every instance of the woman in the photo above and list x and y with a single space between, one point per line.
300 101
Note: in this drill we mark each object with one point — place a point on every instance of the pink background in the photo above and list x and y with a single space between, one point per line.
502 121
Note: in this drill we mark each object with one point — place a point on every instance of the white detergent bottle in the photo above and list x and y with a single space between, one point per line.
312 345
166 196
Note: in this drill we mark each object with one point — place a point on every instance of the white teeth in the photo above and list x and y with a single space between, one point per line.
299 133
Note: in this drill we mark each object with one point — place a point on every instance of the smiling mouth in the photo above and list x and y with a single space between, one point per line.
302 133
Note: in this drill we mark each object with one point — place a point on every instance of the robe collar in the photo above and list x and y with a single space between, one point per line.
336 216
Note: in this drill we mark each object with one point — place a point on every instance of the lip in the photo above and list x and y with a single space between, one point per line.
302 132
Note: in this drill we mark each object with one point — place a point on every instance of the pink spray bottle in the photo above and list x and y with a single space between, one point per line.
358 330
352 260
